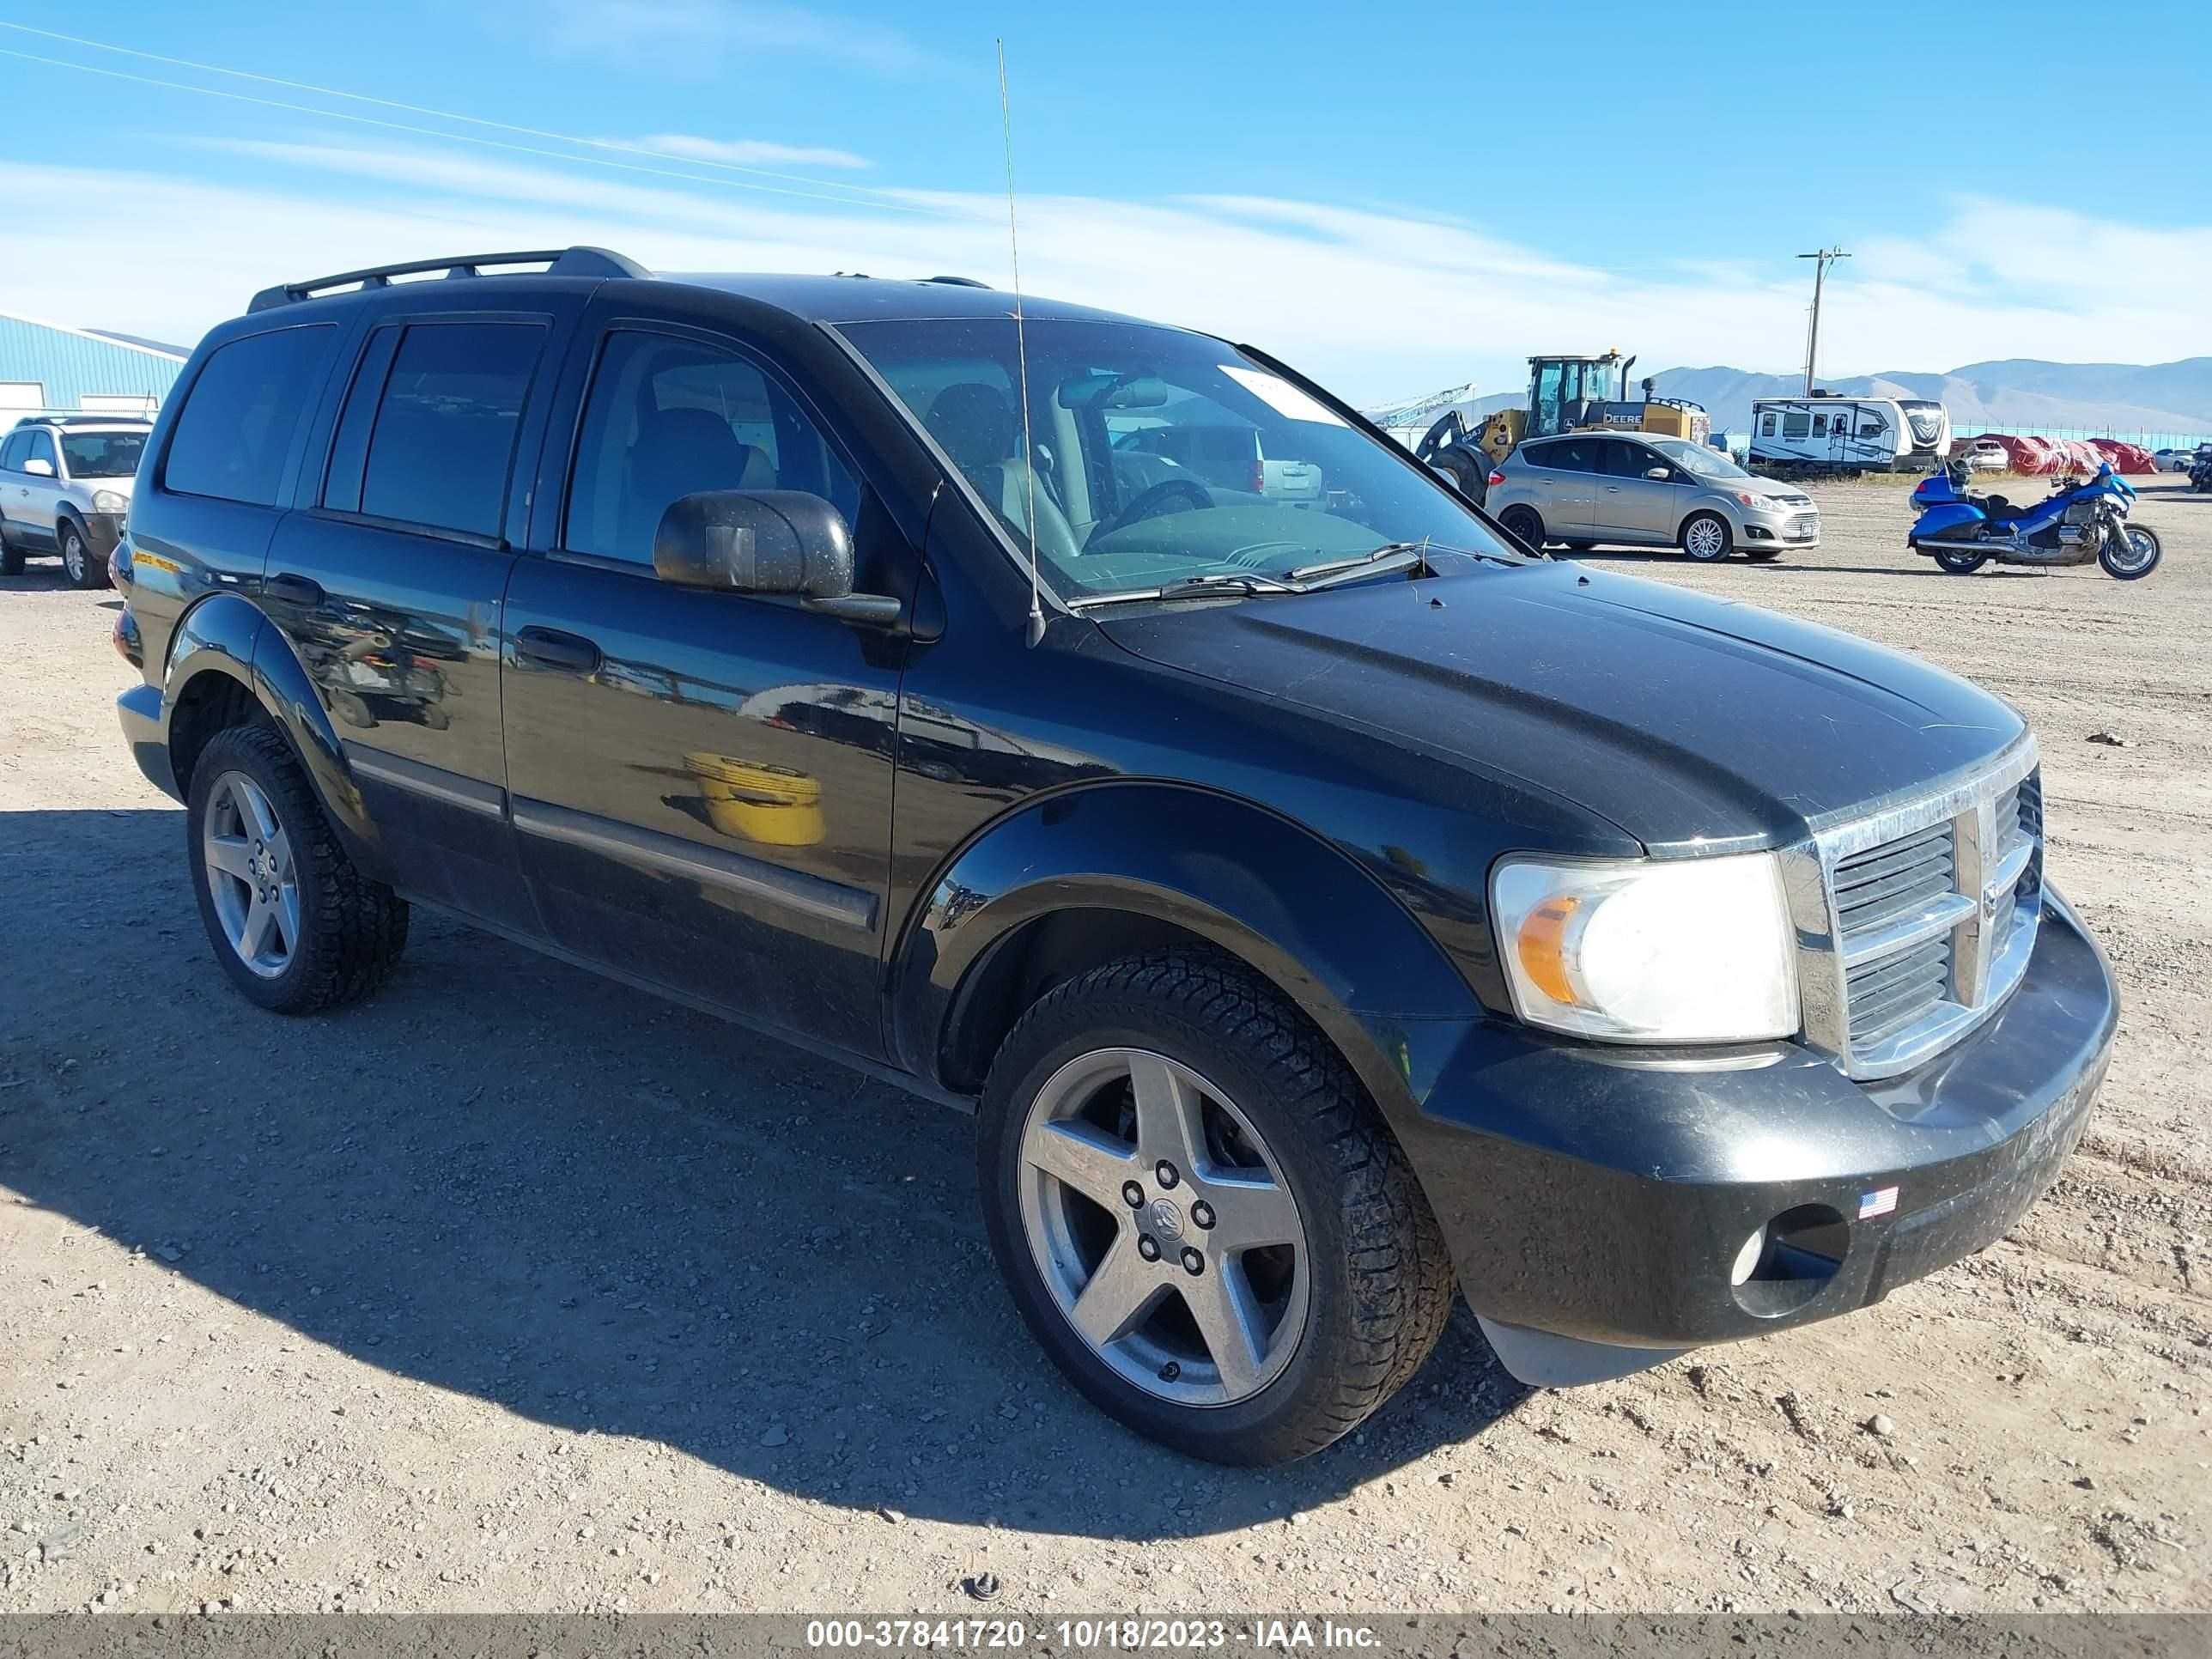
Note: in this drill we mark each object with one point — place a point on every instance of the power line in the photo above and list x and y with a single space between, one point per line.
439 114
456 138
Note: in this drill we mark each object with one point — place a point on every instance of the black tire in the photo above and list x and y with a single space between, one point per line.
1525 525
2132 572
1379 1281
1470 480
11 558
352 930
79 564
1961 561
1696 535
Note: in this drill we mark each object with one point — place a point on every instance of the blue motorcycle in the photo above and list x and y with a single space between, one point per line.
2076 522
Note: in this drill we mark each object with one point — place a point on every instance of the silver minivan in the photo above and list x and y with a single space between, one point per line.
65 489
1585 488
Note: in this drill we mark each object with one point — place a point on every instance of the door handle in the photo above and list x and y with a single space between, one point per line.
302 591
549 647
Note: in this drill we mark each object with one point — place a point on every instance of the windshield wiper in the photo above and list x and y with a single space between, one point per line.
1393 556
1192 587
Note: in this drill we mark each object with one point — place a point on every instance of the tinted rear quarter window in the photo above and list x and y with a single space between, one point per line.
239 418
443 444
12 451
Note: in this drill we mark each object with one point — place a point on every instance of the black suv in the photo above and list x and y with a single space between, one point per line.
1323 904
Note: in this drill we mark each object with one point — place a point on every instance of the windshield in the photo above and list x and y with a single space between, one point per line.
1705 462
102 454
1159 456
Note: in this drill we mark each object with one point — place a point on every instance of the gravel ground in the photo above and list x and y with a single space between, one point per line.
517 1290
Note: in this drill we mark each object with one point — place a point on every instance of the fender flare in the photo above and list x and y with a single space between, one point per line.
227 634
1298 910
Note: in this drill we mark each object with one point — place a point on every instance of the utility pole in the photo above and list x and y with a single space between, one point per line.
1825 257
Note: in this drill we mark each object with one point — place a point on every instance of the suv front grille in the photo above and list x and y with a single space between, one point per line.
1922 919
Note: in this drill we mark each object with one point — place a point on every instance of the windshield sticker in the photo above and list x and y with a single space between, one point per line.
1282 397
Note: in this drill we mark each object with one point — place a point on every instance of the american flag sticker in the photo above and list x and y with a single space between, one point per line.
1880 1201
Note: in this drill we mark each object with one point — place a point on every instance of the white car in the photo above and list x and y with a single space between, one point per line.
1986 456
2174 460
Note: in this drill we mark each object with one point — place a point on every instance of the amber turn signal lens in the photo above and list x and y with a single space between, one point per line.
1543 947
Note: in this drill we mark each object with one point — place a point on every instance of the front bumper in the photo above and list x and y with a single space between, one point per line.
101 531
1596 1201
1797 528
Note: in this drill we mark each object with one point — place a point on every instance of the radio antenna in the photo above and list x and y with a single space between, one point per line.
1021 352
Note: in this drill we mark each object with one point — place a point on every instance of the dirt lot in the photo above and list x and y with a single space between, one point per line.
514 1289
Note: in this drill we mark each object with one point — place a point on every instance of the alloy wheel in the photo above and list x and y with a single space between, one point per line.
1706 539
73 555
250 874
1162 1227
2137 552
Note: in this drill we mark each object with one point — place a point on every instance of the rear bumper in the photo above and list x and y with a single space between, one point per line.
1600 1200
140 710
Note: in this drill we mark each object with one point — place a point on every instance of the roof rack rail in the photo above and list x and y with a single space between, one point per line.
956 281
558 262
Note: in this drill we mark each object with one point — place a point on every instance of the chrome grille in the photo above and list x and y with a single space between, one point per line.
1915 922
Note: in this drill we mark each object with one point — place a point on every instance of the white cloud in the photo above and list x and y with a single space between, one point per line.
747 152
1375 302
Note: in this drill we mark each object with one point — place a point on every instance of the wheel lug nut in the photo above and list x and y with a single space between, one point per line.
1132 1196
1202 1213
1166 1174
1148 1246
1193 1263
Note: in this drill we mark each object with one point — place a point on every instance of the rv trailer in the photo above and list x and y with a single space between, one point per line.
1823 432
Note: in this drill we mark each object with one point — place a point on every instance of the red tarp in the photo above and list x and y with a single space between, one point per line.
2044 456
2126 457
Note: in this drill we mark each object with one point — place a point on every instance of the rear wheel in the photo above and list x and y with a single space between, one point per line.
77 563
1961 561
1201 1215
1707 538
1525 525
294 924
11 557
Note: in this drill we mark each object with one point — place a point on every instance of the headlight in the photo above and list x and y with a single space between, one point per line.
1649 951
109 500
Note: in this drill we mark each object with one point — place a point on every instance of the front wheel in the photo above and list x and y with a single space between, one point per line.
2132 554
1201 1216
77 563
1961 561
1707 538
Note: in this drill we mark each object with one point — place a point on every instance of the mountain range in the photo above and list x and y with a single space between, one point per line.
2161 399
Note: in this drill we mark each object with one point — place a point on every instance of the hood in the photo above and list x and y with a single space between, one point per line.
1679 718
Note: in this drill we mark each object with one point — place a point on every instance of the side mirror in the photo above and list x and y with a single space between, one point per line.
37 467
781 541
1657 474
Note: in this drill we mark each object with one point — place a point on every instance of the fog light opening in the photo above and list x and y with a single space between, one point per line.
1798 1255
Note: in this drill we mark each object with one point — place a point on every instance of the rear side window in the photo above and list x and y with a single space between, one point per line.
1570 455
13 451
238 421
443 443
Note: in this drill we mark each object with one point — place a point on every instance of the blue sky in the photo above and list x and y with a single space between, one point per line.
1393 199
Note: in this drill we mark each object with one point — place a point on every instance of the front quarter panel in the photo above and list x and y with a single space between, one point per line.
1262 889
